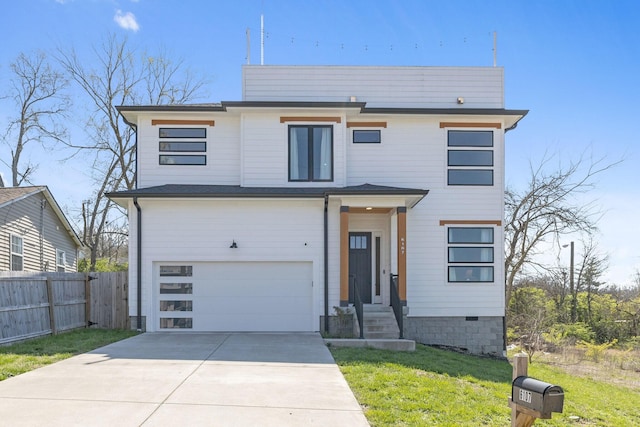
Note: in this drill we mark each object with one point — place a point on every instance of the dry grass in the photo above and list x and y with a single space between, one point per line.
616 367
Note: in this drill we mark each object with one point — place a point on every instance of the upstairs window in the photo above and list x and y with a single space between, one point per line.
470 157
366 136
17 256
310 153
177 146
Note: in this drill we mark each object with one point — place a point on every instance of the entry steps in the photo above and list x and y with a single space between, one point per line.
379 322
380 331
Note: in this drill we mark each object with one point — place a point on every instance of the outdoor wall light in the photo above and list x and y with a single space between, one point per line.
234 245
460 100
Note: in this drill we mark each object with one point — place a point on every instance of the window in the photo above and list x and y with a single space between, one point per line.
470 250
61 261
176 288
182 160
310 153
176 305
181 142
17 258
183 133
176 270
176 323
473 164
366 137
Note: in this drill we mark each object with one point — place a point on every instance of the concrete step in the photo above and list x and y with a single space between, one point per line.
379 322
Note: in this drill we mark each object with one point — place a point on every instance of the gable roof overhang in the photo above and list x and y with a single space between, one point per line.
359 195
11 195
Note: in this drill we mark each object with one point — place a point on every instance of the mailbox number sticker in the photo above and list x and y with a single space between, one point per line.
525 396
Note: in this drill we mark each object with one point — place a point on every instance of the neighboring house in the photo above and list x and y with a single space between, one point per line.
34 233
253 215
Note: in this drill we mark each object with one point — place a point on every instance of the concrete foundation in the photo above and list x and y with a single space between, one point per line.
133 321
476 335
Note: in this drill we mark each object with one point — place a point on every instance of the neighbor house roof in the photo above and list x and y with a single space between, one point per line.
9 195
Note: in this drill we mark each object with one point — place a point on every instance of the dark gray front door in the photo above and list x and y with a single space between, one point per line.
360 264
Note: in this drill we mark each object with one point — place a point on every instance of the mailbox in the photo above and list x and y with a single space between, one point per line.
537 395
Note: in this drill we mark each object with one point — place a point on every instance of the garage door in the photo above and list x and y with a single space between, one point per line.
235 296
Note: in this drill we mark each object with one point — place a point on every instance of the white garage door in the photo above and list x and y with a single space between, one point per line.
235 296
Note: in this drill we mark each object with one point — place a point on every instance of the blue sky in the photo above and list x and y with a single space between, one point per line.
574 64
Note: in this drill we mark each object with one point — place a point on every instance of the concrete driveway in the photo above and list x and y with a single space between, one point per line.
188 379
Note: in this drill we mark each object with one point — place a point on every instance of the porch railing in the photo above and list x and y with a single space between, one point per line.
396 303
357 302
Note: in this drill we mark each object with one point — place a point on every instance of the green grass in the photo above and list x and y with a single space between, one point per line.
437 387
26 356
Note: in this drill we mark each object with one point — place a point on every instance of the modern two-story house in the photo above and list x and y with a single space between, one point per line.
323 187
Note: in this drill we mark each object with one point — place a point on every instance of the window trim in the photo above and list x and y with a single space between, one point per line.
16 254
310 156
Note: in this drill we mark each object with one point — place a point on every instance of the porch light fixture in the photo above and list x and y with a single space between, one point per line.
234 245
460 100
369 208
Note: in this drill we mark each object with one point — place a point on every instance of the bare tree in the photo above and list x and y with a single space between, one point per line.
545 210
40 101
118 75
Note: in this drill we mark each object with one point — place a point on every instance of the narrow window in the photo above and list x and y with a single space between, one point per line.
310 153
61 261
17 257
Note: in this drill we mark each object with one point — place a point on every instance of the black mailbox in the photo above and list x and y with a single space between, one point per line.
537 395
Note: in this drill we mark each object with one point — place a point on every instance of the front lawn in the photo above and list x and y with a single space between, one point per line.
25 356
443 388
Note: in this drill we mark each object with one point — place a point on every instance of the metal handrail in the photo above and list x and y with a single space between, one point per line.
358 304
396 303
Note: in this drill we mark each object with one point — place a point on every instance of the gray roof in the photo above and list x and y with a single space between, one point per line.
213 191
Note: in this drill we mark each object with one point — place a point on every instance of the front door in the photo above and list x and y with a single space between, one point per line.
360 264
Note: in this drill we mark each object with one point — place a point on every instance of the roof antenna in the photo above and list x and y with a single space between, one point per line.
495 48
261 39
248 46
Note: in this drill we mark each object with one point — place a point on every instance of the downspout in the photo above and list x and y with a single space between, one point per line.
43 205
326 263
139 264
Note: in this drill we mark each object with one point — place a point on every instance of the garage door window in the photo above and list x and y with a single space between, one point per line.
176 297
176 323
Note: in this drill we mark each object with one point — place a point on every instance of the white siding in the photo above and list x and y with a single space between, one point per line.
203 230
223 154
415 87
265 150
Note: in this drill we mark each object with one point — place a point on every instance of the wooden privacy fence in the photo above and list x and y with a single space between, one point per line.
34 304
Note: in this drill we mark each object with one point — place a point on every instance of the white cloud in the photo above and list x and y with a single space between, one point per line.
126 20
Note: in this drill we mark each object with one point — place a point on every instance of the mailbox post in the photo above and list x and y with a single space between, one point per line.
530 398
